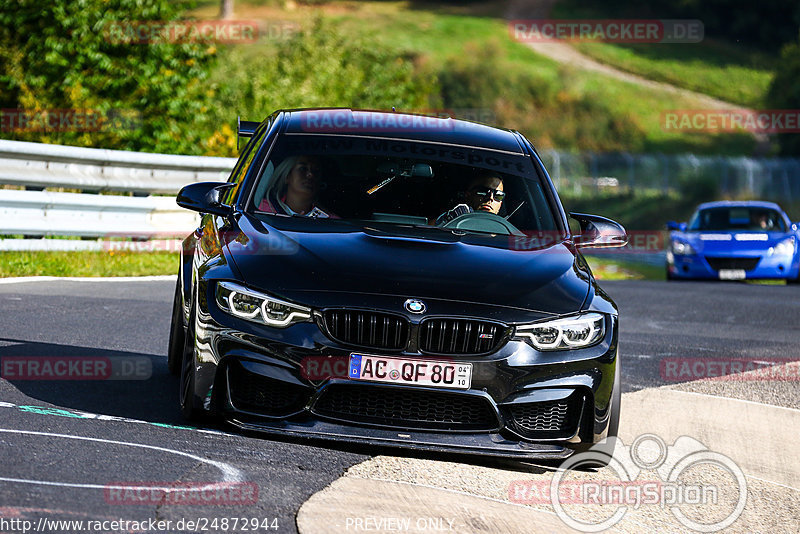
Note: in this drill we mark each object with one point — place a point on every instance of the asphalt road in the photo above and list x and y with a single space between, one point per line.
60 461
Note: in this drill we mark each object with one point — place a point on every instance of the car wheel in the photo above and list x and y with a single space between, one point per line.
190 403
177 334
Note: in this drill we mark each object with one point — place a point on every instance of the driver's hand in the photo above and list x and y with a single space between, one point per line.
448 216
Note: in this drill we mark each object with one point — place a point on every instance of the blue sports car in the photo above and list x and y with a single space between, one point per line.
734 240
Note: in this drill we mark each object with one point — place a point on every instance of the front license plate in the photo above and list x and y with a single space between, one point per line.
417 372
731 274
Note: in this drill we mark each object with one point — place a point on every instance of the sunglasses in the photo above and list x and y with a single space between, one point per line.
485 192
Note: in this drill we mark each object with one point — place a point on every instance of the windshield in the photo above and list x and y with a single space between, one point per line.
740 218
405 183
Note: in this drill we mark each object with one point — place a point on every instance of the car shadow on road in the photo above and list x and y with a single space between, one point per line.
108 382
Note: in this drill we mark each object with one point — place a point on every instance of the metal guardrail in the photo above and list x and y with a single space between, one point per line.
42 213
100 170
70 214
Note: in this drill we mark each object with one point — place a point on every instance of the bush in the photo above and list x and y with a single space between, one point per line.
318 67
58 55
784 93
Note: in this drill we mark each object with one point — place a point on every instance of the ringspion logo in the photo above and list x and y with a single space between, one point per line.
705 491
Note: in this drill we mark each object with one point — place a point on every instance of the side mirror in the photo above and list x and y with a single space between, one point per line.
672 225
204 197
599 232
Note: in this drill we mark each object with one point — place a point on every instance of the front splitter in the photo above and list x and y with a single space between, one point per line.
484 444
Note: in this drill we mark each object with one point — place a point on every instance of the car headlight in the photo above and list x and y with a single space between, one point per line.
681 248
258 307
574 332
784 248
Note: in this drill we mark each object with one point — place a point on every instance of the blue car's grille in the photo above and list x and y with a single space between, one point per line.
748 264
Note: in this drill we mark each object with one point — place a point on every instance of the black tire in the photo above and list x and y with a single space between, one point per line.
190 403
177 333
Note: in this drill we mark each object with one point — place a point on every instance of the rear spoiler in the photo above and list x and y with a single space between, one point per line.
245 129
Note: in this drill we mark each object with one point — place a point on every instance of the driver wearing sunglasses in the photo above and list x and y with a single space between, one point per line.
483 193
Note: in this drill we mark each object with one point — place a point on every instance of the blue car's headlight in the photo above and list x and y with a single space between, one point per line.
576 332
681 248
260 308
784 248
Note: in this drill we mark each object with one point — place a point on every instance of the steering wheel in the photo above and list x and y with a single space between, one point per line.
481 221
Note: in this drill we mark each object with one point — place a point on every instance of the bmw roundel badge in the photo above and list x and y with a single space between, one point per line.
415 306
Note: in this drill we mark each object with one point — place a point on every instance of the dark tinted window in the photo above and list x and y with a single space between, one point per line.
404 182
743 218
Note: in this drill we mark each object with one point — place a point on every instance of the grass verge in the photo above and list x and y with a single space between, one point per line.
112 263
604 269
704 68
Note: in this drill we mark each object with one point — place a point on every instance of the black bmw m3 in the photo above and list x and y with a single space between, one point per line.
397 280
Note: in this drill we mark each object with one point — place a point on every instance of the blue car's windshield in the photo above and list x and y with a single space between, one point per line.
403 182
738 218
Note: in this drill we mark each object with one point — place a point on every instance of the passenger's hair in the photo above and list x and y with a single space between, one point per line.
278 185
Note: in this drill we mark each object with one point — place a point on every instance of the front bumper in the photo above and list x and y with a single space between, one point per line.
482 444
526 404
698 266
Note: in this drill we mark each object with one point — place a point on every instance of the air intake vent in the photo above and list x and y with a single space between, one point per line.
546 420
259 394
748 264
405 407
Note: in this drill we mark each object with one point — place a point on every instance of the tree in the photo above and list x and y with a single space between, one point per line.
83 54
784 93
226 9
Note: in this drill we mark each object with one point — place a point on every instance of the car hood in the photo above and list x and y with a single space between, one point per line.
710 243
309 260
